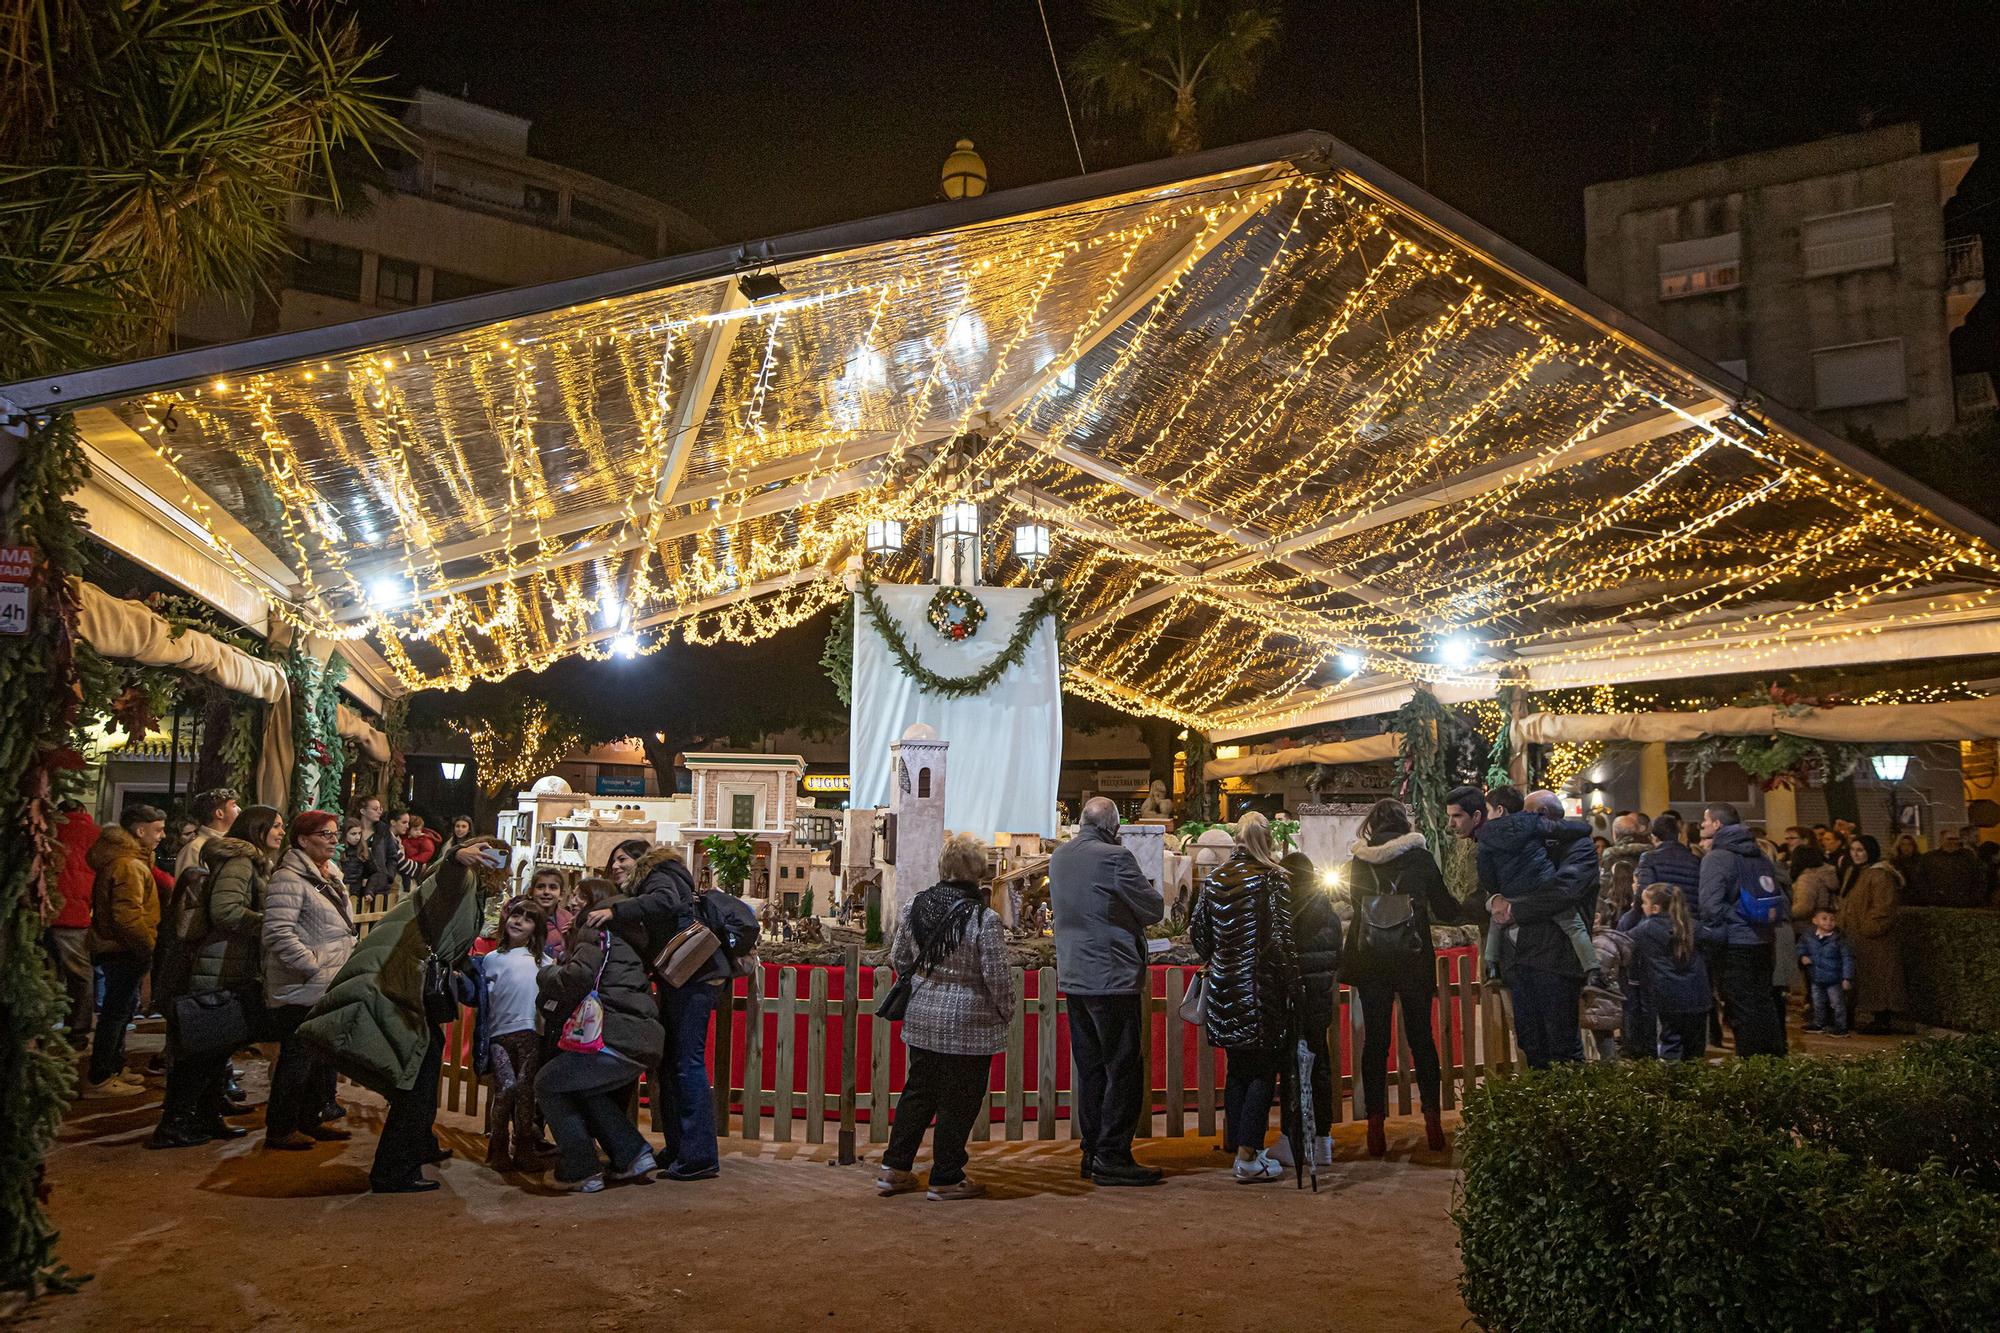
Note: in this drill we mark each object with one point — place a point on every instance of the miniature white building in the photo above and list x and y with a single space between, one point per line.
916 797
756 795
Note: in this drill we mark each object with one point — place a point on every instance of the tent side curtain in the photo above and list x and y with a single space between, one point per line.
1959 720
132 632
354 727
1368 749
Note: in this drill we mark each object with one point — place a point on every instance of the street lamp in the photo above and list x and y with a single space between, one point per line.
452 770
1031 543
964 174
1890 767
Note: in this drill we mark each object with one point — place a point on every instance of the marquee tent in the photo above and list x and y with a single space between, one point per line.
1304 436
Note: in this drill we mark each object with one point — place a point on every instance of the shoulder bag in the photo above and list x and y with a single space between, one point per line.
214 1022
1194 1005
440 995
1386 929
683 956
584 1030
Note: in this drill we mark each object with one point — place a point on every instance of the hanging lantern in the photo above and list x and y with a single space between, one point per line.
959 520
885 536
1031 543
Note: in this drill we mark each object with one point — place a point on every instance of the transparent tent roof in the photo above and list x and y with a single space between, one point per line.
1274 403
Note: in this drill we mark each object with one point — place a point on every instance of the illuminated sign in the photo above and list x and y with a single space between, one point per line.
827 782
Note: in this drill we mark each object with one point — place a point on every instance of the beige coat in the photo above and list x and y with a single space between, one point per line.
1812 890
308 931
1869 916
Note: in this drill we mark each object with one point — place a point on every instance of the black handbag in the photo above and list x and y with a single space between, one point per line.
214 1022
440 996
895 1001
1387 933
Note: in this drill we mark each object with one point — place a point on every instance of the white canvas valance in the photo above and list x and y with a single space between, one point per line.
354 727
1959 720
1369 749
133 632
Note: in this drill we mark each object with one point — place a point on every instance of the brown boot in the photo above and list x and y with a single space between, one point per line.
1378 1140
1434 1131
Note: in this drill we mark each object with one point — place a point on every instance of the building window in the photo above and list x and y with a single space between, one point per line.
1847 242
742 810
327 268
395 281
1859 374
589 218
1700 266
449 286
923 782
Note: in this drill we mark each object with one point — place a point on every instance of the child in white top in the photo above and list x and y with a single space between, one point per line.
510 1046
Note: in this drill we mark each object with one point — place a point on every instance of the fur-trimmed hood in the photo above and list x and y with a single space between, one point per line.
224 848
115 843
652 861
1381 853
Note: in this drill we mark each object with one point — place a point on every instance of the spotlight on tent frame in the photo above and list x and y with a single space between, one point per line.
759 286
388 593
1458 652
626 645
1349 662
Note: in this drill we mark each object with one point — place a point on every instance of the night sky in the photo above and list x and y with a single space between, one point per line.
759 116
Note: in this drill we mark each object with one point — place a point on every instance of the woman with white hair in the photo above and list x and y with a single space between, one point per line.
950 946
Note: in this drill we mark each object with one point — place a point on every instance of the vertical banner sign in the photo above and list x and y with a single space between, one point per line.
17 565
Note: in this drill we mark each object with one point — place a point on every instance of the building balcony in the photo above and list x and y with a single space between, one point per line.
1965 277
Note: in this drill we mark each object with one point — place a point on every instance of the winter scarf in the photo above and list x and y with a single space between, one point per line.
940 917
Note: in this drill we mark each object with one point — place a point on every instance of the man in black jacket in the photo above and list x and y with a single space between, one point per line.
1542 970
1744 962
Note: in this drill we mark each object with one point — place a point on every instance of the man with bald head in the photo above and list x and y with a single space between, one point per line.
1103 903
1540 871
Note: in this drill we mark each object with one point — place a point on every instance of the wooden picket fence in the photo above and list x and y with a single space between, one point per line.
774 1042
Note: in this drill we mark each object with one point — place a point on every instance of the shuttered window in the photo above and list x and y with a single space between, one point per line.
1847 242
1858 374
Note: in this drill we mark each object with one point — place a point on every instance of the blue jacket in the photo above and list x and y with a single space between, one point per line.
1671 863
1732 852
1514 858
1542 911
1831 958
1669 987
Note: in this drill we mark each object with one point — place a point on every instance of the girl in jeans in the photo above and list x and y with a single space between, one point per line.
583 1094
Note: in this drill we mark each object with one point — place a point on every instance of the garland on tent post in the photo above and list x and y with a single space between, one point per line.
1426 779
40 697
837 657
1047 604
315 728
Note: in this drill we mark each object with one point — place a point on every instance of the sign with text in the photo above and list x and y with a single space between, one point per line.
826 783
17 564
13 608
609 785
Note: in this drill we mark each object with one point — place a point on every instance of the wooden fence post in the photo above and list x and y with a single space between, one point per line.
782 1099
816 1058
880 1099
753 1054
850 1048
725 1050
1047 1100
1176 1078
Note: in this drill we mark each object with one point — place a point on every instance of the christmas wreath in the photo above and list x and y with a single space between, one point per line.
956 614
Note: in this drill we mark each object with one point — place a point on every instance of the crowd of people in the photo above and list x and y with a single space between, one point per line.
241 927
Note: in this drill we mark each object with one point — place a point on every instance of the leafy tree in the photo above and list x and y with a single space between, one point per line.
1169 62
150 151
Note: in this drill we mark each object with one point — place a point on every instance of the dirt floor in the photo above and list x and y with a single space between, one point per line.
227 1236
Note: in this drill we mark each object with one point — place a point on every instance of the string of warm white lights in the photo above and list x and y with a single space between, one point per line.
1305 355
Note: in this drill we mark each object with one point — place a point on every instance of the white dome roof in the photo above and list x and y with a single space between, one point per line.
550 786
921 731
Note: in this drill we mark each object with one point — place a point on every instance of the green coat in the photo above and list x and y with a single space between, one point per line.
224 933
371 1022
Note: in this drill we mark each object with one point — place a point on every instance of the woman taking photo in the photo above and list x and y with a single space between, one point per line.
220 930
1398 891
661 900
1241 926
380 1022
1869 917
583 1093
950 946
308 937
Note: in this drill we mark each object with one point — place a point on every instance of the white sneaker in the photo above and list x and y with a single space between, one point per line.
1257 1170
118 1085
643 1166
1281 1152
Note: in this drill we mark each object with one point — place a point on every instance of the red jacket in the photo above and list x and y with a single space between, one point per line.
78 831
421 847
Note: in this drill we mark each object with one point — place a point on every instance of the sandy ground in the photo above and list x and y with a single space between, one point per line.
227 1236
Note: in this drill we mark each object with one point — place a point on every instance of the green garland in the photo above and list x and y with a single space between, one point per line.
1047 604
39 699
1426 778
837 657
316 729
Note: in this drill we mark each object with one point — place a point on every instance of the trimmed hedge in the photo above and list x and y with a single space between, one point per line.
1759 1194
1951 966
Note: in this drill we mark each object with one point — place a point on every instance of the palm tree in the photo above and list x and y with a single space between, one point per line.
150 150
1168 62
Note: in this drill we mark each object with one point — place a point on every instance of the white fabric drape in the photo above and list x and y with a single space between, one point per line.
1006 743
1960 720
1369 749
133 632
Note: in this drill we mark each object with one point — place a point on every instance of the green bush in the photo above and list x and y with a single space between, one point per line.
1951 966
1761 1194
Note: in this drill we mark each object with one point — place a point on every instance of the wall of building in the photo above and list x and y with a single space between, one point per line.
1777 317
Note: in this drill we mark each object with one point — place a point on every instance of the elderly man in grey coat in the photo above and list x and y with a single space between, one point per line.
1103 903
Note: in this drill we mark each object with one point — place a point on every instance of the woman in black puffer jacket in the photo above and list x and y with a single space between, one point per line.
1389 960
1316 930
1242 927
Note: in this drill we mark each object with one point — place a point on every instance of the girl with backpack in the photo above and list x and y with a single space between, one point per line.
1668 970
1398 891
